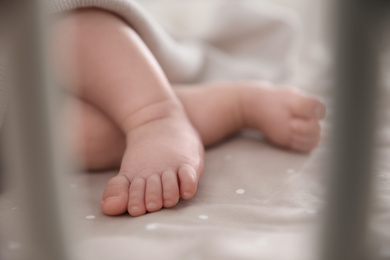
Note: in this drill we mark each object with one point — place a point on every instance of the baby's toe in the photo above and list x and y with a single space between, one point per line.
153 194
136 205
304 143
115 196
303 105
170 188
188 181
302 127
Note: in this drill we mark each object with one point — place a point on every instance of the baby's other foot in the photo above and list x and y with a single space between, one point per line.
162 162
287 117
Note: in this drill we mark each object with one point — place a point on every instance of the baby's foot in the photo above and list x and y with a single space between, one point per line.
287 117
162 162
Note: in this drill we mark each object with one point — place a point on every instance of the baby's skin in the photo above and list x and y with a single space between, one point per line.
130 117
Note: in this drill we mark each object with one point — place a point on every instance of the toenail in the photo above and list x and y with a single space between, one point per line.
152 205
187 194
168 202
134 208
320 112
107 199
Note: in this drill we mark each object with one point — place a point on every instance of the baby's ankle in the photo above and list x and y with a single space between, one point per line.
245 104
250 94
154 111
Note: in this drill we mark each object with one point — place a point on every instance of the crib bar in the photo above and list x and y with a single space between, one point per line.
36 158
356 67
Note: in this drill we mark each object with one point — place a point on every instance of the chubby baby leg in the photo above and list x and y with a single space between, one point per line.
95 140
101 60
287 117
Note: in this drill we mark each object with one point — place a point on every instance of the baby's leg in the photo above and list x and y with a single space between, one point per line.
94 139
114 71
287 117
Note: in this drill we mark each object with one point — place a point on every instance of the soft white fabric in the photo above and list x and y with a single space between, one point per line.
244 40
265 45
179 62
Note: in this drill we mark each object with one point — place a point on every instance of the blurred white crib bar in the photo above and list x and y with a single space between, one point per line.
357 48
33 153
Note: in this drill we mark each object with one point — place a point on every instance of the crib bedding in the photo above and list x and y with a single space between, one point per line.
255 201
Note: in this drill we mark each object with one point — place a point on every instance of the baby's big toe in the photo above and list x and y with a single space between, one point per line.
310 128
115 196
303 105
304 143
305 134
